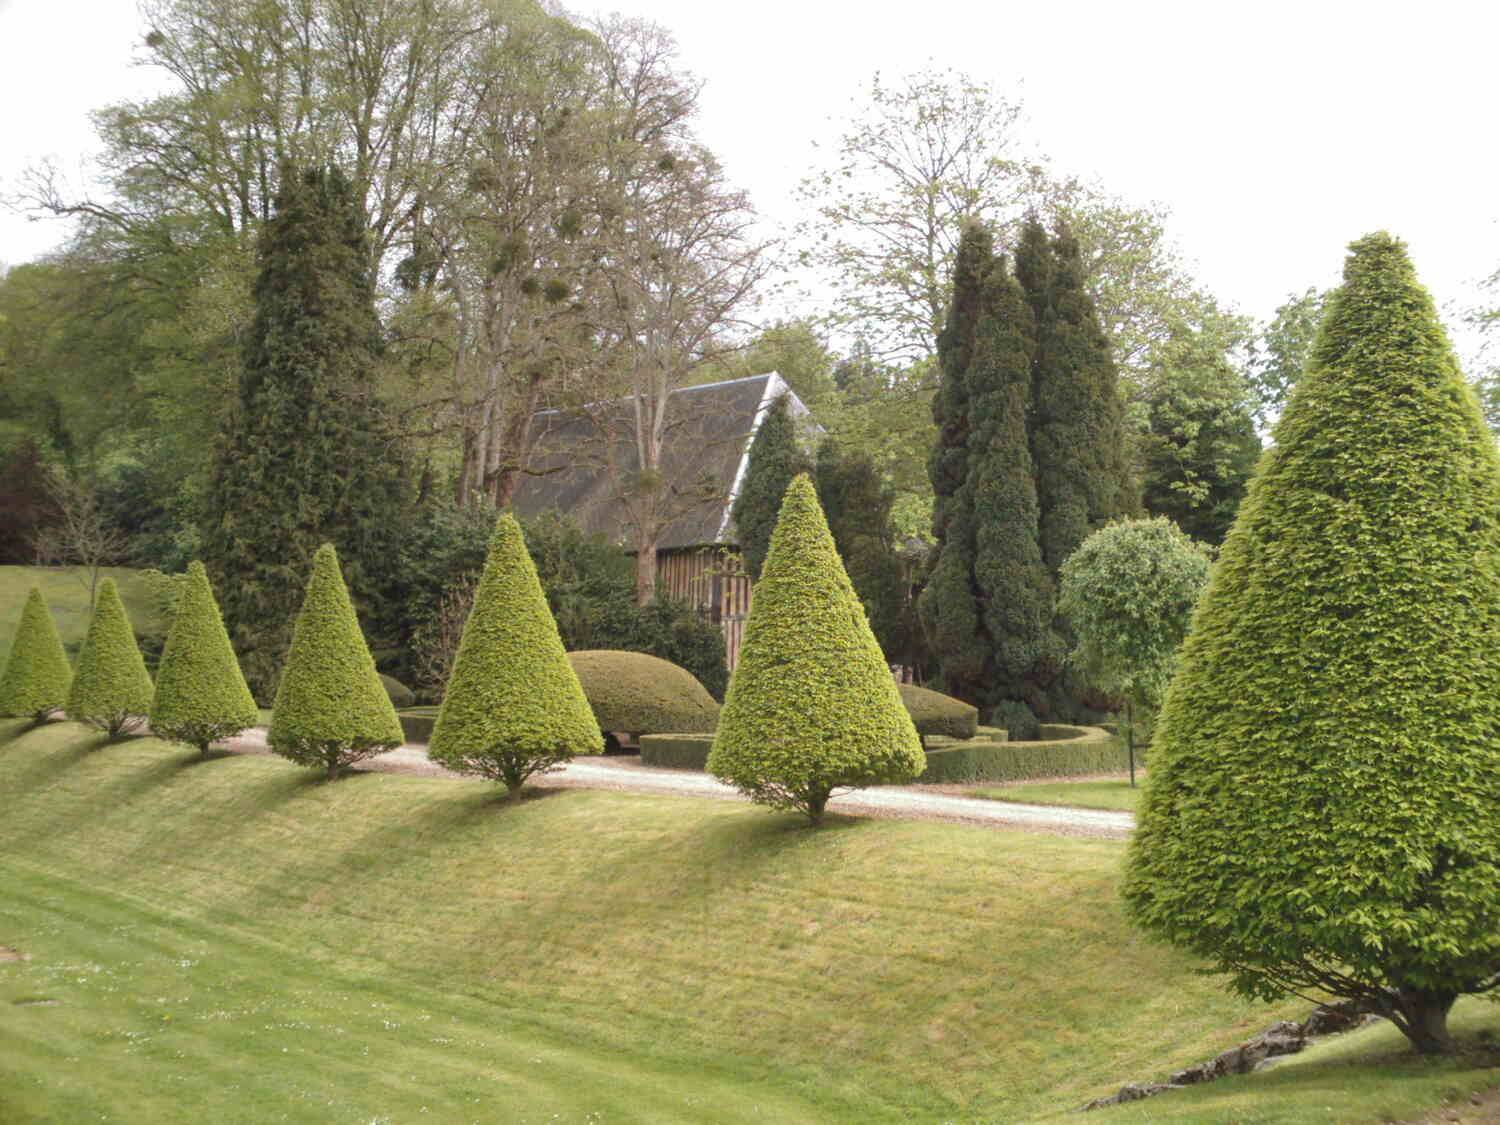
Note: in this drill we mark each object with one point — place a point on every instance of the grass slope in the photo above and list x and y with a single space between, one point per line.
66 589
234 940
1103 794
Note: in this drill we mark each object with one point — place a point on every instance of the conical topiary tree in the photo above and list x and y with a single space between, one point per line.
37 675
1321 811
812 706
111 687
514 707
201 696
331 708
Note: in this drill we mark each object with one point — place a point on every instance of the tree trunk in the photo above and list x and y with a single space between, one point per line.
1422 1017
645 571
817 803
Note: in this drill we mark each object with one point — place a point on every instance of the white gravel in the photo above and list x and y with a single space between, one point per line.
905 802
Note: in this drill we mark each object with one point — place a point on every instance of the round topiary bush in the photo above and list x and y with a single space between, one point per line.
331 710
634 693
37 674
111 688
201 695
935 713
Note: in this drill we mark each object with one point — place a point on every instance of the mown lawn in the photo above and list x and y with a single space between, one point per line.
66 589
235 940
1110 793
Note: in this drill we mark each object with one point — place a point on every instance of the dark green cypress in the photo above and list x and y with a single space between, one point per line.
857 504
775 459
1015 588
306 457
949 605
1078 427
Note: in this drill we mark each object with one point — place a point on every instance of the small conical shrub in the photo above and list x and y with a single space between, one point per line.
514 707
111 687
331 708
201 695
1323 807
812 706
37 675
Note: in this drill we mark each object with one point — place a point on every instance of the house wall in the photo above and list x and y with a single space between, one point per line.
713 580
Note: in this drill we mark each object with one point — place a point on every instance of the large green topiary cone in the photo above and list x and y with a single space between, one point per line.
331 708
201 694
812 706
514 706
37 675
111 687
1323 808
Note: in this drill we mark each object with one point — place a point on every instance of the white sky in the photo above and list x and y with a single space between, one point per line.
1276 132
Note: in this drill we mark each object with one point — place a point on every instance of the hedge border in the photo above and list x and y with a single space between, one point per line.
1092 750
676 751
417 723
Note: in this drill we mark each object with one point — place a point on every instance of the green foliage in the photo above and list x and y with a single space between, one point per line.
400 695
200 695
1129 593
37 675
948 603
306 456
111 687
1019 721
812 706
514 706
331 710
932 712
857 505
1321 807
1087 750
775 458
676 751
633 693
26 504
1282 350
1083 478
417 723
1199 444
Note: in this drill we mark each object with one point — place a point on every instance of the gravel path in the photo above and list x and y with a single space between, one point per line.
903 802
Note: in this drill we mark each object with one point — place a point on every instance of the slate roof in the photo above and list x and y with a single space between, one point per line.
710 428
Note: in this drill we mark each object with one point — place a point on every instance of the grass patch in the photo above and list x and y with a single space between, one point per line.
1109 793
66 589
235 940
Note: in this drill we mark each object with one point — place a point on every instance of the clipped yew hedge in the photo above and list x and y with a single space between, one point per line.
932 712
676 751
634 693
1070 752
417 723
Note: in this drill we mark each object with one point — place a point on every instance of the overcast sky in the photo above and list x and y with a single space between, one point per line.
1276 132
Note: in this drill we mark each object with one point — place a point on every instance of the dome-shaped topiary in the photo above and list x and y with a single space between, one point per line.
812 706
1321 812
201 694
932 712
513 707
640 694
111 687
331 709
37 674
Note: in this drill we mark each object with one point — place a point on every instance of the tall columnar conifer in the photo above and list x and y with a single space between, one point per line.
201 696
857 504
331 708
948 606
775 458
1015 589
111 687
1321 808
812 706
306 457
37 674
514 707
